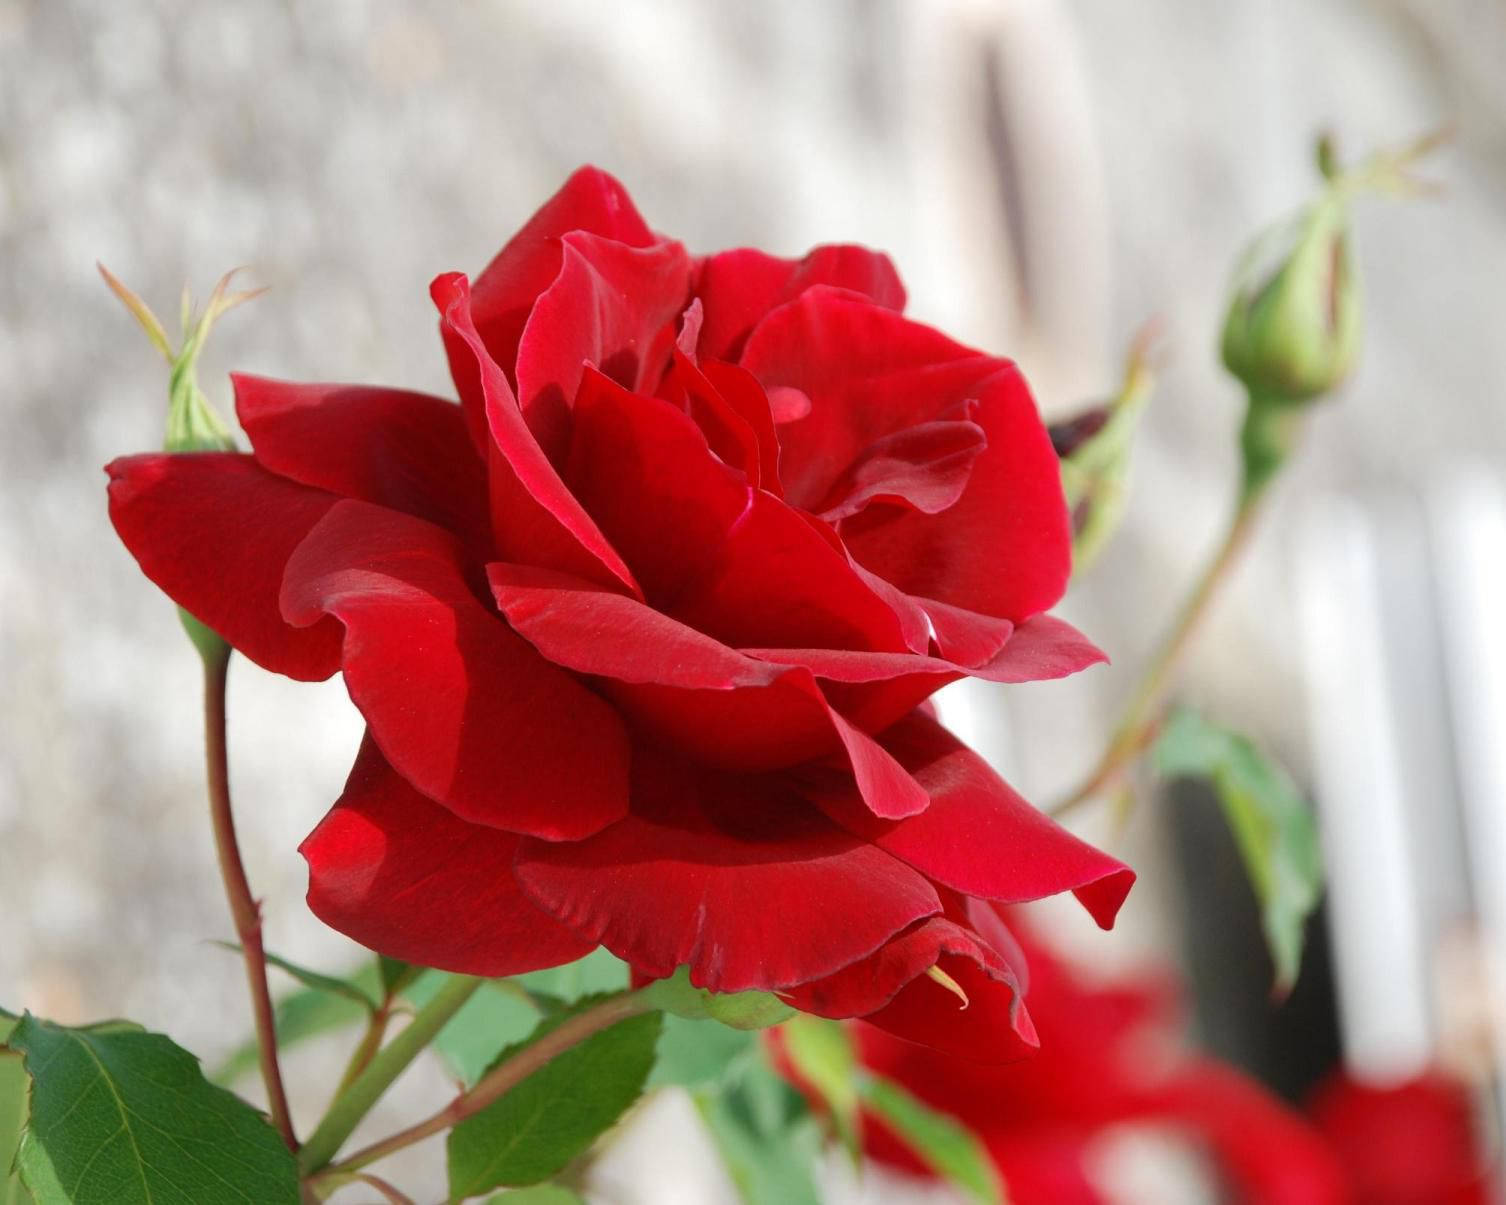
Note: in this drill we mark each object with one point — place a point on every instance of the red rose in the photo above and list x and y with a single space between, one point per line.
1106 1060
1414 1143
642 629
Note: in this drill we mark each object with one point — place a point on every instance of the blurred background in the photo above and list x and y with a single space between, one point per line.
1049 175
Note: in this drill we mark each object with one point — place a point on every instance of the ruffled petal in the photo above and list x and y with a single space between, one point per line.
892 990
734 562
535 519
1004 548
611 306
214 531
408 878
738 878
462 706
591 201
978 835
407 451
924 468
739 287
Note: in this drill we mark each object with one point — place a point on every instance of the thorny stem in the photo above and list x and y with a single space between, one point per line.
244 910
504 1077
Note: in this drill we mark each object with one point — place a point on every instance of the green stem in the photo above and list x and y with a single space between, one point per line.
244 910
1142 717
502 1078
351 1105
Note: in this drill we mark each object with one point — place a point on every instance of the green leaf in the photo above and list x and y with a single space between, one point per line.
1272 825
693 1053
12 1116
395 975
120 1116
942 1143
538 1194
740 1010
554 1115
313 979
767 1137
599 971
824 1056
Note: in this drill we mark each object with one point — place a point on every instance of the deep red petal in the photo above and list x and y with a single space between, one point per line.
978 835
590 200
890 989
737 877
709 700
1004 548
739 287
924 468
734 562
403 450
612 307
214 530
535 519
406 877
462 706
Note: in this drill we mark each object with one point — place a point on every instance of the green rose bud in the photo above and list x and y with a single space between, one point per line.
192 423
1293 329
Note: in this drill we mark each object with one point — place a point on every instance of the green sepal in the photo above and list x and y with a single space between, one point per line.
741 1010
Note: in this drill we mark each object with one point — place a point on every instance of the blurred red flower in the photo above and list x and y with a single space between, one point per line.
642 628
1107 1059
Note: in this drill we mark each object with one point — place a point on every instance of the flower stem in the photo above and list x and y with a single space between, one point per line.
351 1105
244 910
502 1078
1142 717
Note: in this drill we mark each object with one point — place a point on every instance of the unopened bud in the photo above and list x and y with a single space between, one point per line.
192 424
1293 329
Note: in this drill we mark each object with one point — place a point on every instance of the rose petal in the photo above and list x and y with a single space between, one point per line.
406 877
924 468
978 836
612 307
737 877
708 700
461 705
590 200
739 287
890 989
1004 548
534 517
214 530
403 450
733 562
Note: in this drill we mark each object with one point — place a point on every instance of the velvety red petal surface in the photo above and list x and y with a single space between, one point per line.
612 307
733 562
214 530
1004 549
737 288
590 200
407 451
535 518
978 835
406 877
737 877
462 706
924 468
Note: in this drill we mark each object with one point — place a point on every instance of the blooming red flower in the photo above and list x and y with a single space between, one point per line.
1105 1060
1413 1143
643 627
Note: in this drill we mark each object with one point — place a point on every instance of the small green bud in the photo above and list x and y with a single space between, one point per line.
1293 329
1094 449
192 423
